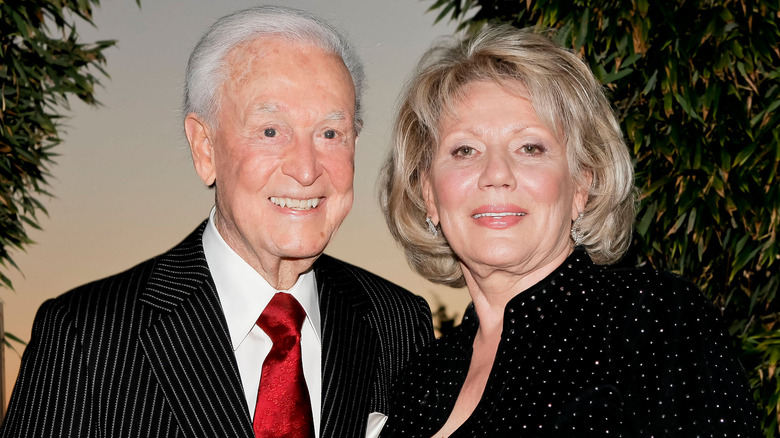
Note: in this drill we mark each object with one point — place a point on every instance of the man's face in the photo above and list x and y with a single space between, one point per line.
282 153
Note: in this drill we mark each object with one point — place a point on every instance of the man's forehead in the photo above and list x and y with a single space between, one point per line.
270 44
260 55
276 109
280 77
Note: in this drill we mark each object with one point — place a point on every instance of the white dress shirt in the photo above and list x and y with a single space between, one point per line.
244 293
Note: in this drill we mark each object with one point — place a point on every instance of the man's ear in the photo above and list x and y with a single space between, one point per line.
199 138
430 203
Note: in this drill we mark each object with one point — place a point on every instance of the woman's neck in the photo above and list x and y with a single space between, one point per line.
492 288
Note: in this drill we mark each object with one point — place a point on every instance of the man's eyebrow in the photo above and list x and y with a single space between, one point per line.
337 115
265 108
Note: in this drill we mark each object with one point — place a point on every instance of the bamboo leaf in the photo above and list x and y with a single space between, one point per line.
614 77
650 85
647 219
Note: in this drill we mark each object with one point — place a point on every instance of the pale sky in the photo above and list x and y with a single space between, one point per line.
124 186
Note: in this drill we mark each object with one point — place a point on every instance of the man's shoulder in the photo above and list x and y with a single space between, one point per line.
392 309
118 289
109 298
367 286
340 270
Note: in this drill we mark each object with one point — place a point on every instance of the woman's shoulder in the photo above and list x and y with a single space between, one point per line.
672 347
639 302
628 289
662 311
652 289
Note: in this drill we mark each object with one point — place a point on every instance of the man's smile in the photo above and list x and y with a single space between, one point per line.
296 204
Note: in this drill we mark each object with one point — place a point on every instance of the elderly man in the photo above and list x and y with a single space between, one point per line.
245 328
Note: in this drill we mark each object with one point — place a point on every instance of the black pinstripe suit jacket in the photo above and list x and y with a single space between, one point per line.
146 353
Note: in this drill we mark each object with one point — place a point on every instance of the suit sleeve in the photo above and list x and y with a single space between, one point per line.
50 397
424 333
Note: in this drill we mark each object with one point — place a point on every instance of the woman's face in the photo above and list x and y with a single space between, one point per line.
500 186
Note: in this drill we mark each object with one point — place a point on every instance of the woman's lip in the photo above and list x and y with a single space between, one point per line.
496 215
497 211
498 221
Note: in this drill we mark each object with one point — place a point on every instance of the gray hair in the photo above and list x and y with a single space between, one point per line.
568 99
206 70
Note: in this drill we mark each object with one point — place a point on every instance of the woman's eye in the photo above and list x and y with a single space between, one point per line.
532 148
463 151
329 134
269 132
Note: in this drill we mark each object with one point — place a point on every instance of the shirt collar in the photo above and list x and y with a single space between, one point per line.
244 293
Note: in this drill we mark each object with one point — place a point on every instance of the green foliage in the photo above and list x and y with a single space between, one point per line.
761 355
697 87
443 322
42 63
8 338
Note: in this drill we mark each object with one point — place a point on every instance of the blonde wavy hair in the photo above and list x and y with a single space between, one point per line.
567 98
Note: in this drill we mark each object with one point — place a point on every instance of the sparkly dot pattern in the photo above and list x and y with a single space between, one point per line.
589 351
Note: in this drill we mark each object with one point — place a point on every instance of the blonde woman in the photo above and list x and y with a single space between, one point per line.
509 174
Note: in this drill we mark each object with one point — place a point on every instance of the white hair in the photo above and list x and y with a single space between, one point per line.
206 71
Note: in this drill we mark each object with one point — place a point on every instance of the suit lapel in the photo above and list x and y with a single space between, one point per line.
349 349
189 350
186 341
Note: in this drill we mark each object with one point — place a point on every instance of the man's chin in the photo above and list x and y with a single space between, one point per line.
302 253
303 257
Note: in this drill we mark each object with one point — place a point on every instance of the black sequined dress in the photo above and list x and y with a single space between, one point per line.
589 351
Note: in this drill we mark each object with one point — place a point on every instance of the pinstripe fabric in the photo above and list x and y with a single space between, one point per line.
370 329
146 353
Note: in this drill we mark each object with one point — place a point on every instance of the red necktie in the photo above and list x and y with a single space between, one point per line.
283 407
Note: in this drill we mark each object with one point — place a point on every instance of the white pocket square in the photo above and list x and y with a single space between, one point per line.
376 421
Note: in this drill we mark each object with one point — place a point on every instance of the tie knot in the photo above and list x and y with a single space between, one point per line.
282 317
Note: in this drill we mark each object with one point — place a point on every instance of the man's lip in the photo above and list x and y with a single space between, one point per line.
498 211
300 204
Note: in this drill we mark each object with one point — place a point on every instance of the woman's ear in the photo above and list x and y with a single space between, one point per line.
199 138
429 198
581 194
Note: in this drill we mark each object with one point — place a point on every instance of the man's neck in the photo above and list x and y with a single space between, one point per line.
280 273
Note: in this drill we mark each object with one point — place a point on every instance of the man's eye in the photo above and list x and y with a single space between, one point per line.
269 132
329 134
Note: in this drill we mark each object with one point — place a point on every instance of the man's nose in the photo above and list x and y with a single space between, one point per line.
497 171
301 161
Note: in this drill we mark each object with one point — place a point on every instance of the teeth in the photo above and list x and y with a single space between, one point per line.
477 216
296 204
